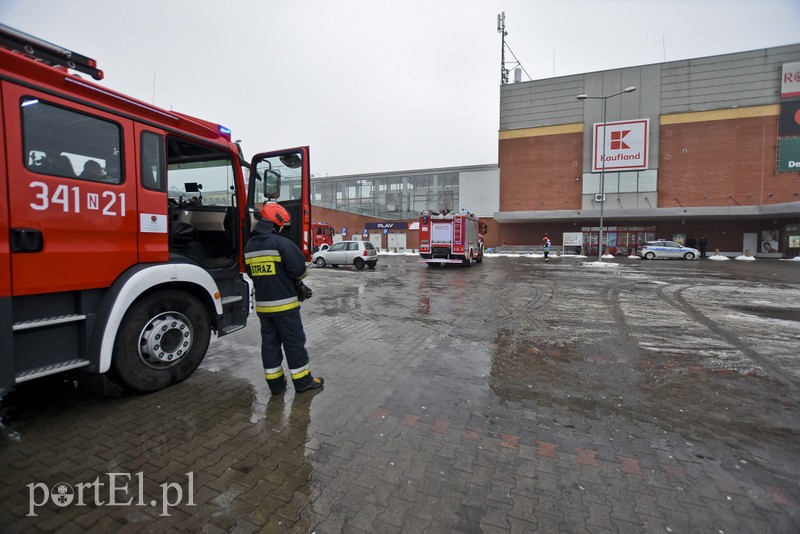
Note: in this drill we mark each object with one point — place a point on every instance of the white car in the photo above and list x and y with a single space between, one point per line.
357 253
667 249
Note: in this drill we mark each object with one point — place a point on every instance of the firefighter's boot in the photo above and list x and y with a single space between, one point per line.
276 382
314 383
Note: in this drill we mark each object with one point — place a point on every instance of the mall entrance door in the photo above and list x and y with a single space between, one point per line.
617 240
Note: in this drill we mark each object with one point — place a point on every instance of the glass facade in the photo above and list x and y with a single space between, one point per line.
396 196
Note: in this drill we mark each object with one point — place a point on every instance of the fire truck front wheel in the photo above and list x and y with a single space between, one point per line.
162 340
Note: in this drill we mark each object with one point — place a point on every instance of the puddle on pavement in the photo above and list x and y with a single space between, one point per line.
770 312
710 392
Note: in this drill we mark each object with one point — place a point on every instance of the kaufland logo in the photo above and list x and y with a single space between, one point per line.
618 143
621 145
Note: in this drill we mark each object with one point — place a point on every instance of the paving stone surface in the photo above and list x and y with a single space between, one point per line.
510 396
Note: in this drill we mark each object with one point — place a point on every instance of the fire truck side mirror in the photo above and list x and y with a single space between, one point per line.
269 177
272 184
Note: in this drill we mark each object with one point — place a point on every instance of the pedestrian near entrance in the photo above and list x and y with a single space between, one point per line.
277 268
546 244
703 245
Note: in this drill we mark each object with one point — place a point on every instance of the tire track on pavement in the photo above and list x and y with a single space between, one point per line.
734 339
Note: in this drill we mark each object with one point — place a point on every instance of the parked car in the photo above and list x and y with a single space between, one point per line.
357 253
667 249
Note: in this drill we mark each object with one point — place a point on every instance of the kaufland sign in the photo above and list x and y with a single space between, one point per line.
790 80
621 146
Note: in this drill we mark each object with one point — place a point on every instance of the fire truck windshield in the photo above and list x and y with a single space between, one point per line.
199 175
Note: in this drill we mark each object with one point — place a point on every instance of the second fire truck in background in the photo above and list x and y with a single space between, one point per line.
451 238
321 234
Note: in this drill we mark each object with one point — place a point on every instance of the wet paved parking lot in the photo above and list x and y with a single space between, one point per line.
512 396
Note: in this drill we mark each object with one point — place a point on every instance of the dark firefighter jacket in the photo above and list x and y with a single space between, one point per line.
274 263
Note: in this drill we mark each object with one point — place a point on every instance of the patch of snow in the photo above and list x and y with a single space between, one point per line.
506 255
719 258
634 257
745 258
601 264
403 253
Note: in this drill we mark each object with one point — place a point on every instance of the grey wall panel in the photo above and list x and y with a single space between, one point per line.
744 79
540 103
741 79
479 191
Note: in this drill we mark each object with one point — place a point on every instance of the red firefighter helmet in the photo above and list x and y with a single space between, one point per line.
275 213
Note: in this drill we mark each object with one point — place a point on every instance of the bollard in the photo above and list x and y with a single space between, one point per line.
716 252
747 252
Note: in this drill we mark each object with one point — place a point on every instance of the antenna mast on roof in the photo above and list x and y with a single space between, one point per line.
501 29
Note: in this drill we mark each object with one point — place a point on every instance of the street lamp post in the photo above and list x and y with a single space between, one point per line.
603 162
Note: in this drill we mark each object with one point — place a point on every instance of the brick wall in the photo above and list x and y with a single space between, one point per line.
707 163
539 173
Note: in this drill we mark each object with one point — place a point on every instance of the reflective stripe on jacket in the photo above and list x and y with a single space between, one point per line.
274 263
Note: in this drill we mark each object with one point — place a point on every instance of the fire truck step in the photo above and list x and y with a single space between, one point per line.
48 321
30 374
230 299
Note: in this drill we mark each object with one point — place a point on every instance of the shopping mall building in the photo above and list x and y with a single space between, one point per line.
706 147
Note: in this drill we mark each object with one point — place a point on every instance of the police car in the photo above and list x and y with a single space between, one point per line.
666 249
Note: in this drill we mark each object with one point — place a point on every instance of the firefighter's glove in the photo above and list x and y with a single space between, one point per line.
303 292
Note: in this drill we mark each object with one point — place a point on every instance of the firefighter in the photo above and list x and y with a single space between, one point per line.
546 245
277 268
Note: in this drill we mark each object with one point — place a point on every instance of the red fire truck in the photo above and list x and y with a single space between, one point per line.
323 235
450 238
122 225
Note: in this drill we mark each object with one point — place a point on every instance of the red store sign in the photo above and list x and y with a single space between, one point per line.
790 80
621 146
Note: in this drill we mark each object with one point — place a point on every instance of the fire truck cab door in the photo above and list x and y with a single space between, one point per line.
72 197
284 177
6 343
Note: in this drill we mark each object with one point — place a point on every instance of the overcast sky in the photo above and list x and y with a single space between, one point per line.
378 86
